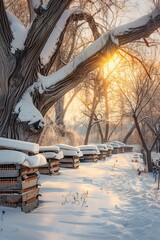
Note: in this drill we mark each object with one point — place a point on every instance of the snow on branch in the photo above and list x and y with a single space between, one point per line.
139 23
45 4
47 82
121 35
53 41
35 3
19 32
27 112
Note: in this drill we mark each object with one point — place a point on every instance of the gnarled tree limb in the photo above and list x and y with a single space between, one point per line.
92 57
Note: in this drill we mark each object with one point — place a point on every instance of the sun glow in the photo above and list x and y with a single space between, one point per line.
112 64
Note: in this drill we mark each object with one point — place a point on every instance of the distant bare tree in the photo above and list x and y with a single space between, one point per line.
139 89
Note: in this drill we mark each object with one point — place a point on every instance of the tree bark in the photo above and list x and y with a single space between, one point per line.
147 150
129 134
59 117
92 113
149 160
19 71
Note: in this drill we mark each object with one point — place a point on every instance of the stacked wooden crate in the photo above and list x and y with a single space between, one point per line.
121 146
128 148
19 174
90 153
103 151
71 156
116 147
53 155
110 149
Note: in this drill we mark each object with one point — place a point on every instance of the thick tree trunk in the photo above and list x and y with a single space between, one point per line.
125 139
149 160
59 117
147 150
90 124
10 127
88 130
20 131
105 85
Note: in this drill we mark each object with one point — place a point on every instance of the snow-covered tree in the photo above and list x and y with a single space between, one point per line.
27 90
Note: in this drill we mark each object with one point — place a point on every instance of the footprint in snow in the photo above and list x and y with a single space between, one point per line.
88 179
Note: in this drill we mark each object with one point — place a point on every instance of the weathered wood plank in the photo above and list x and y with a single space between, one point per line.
69 160
115 151
9 173
89 158
70 165
128 149
30 194
102 155
10 186
26 171
17 198
109 153
30 206
54 163
30 182
8 204
49 170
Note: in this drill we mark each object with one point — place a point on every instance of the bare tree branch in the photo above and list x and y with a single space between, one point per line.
132 56
5 31
105 48
72 16
31 10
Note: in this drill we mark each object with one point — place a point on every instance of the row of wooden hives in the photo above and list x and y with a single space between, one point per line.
70 157
21 163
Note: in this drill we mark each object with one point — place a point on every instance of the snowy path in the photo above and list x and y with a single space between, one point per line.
99 201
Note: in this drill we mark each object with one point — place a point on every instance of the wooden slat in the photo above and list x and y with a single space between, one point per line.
8 167
54 169
71 157
30 194
9 173
109 153
10 186
26 171
18 198
88 159
90 156
44 170
115 151
70 165
54 163
54 172
30 206
14 198
69 160
18 184
30 182
8 204
48 170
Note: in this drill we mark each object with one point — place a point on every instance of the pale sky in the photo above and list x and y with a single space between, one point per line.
138 8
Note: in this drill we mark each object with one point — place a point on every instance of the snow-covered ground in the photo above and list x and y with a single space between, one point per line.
104 200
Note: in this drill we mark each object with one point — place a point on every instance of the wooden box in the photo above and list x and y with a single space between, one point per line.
69 162
89 158
52 167
19 186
